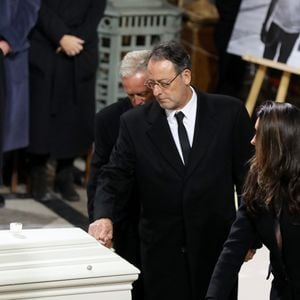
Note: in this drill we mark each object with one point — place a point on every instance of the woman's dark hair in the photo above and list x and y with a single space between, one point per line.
274 176
174 52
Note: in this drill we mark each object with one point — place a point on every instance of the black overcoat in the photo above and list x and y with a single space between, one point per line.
284 264
107 124
186 211
62 88
1 109
126 238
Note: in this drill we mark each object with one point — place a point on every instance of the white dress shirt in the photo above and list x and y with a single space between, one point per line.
189 111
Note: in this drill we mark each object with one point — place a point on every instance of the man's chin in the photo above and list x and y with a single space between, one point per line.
165 104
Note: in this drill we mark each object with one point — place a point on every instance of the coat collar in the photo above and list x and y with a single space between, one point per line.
205 128
161 136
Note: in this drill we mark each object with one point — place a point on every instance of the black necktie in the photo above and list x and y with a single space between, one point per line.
183 137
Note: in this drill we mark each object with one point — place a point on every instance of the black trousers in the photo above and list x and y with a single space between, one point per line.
127 245
279 40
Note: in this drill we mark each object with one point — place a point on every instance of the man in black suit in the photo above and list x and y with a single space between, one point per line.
133 72
185 173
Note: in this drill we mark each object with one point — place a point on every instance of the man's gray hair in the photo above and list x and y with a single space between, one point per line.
134 62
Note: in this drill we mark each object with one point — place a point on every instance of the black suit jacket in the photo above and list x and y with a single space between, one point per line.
186 211
126 240
285 265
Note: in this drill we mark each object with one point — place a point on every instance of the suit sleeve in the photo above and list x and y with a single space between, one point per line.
87 29
241 236
24 19
242 149
115 179
102 150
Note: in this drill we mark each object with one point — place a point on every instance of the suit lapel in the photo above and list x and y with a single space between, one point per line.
160 134
205 127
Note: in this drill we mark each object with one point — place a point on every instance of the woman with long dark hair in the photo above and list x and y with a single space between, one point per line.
271 208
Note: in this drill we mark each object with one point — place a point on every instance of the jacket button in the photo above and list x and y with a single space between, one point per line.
183 249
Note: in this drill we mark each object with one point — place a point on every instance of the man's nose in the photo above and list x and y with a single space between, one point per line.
156 90
137 100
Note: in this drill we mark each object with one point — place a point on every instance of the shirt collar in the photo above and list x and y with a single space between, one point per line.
189 109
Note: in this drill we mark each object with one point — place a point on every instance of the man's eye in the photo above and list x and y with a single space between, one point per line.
164 84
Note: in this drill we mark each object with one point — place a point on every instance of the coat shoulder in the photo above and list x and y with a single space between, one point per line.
219 101
114 110
143 112
222 106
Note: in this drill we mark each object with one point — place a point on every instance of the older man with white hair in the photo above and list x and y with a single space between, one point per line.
133 72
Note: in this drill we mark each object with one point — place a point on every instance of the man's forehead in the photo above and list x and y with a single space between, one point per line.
159 63
160 68
136 90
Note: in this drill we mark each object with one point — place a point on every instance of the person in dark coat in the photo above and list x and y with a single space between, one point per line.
2 201
186 199
133 75
271 208
17 19
280 29
133 72
63 63
231 67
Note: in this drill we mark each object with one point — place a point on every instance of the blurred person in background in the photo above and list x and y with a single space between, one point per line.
2 201
63 64
16 20
280 29
232 68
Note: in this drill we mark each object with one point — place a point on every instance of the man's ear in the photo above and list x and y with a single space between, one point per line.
187 76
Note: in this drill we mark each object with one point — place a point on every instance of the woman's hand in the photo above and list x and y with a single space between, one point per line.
71 45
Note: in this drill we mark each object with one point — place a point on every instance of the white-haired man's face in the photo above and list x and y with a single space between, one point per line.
134 87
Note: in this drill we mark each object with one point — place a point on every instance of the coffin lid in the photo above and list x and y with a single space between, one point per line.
56 254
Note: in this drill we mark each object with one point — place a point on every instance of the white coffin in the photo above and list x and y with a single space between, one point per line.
60 264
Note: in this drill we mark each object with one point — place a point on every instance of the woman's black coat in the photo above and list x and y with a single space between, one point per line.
62 88
284 264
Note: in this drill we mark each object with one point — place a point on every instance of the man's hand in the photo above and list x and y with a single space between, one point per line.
5 47
102 230
71 45
250 254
